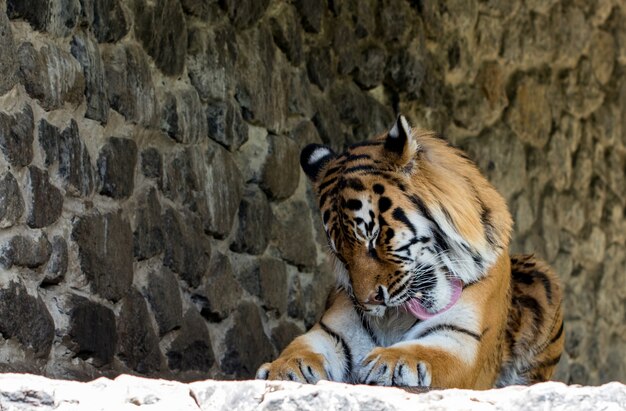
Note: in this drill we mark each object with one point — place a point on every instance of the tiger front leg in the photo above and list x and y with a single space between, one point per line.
412 365
309 358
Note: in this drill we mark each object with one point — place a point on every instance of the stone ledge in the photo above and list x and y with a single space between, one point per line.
22 392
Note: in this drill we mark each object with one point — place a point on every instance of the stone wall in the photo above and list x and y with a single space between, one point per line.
154 219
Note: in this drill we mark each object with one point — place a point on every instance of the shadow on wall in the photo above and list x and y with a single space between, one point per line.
154 218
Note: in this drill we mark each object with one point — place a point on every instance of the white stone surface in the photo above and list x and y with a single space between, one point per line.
28 392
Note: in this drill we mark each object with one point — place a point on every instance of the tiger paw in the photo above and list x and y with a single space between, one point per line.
392 366
304 368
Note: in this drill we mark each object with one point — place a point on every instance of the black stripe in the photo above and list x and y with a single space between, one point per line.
528 278
354 157
531 304
449 327
346 349
326 183
558 334
353 183
398 214
366 326
361 168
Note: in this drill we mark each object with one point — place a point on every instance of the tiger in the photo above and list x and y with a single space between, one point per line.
427 294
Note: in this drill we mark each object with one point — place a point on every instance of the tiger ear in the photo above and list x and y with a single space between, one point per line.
400 142
313 158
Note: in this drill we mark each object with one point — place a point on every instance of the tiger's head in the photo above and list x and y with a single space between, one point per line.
411 219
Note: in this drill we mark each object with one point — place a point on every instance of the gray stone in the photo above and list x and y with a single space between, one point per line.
116 167
223 184
148 238
58 17
221 293
200 8
181 180
287 34
129 83
106 18
26 319
344 41
244 13
328 124
75 166
105 253
92 331
246 270
8 63
33 11
49 136
226 125
320 67
152 165
281 171
305 133
163 295
45 200
191 350
64 84
262 80
273 279
25 251
293 232
211 59
16 136
284 333
57 264
311 13
406 70
11 201
395 21
255 215
530 113
137 343
187 250
85 49
299 97
183 118
162 30
371 68
247 346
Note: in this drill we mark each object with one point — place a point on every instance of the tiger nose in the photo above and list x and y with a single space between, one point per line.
377 297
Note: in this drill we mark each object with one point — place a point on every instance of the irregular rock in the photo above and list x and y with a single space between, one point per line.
162 30
319 67
58 18
247 346
191 350
244 13
46 200
163 295
8 63
281 171
16 136
299 97
183 118
137 343
92 331
116 167
221 293
187 250
199 8
107 19
311 13
344 40
57 264
305 133
33 11
181 180
49 136
284 333
226 125
11 201
260 91
328 125
152 164
371 68
105 252
222 184
211 61
293 232
148 238
26 319
85 49
50 75
273 279
255 215
24 251
75 166
287 34
530 115
129 83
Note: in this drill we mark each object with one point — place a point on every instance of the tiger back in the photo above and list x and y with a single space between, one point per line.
427 294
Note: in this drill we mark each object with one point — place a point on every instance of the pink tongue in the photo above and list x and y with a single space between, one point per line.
415 307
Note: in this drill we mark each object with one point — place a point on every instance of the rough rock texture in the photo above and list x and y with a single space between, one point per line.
153 217
24 392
